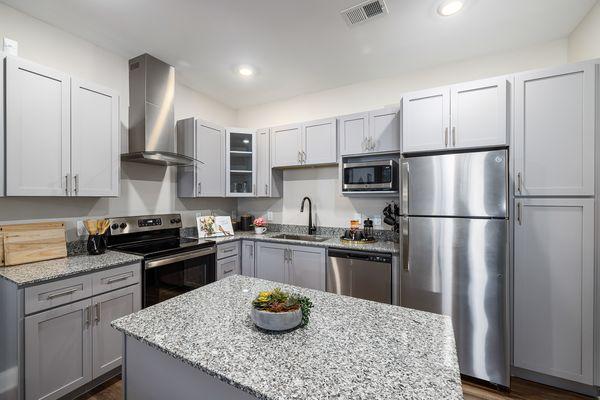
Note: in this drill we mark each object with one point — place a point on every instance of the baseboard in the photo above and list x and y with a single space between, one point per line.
91 385
565 384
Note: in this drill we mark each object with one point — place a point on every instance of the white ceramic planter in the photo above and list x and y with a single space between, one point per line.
272 321
259 230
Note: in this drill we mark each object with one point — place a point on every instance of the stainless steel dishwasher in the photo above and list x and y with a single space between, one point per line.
361 274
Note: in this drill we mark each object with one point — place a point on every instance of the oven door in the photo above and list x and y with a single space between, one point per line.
176 274
370 176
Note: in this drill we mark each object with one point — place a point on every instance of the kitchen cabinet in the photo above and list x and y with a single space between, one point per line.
240 160
555 117
310 143
248 258
554 287
228 266
58 351
377 131
94 139
269 183
354 131
295 265
69 126
468 115
203 141
107 343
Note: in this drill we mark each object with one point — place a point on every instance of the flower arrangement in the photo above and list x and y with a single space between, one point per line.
278 301
259 222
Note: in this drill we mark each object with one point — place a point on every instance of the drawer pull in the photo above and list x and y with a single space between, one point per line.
227 272
229 250
119 278
63 293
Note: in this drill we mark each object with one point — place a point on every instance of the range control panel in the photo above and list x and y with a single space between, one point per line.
144 223
149 222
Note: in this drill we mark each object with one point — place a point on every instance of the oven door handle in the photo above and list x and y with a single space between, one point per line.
181 257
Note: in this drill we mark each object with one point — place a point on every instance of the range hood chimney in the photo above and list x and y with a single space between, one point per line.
151 115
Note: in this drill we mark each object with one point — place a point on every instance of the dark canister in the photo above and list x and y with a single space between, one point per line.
246 221
368 228
96 244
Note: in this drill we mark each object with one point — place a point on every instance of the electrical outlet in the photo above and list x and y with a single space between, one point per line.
81 230
10 46
269 215
376 220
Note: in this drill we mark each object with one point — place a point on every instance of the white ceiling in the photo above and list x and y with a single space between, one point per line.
302 46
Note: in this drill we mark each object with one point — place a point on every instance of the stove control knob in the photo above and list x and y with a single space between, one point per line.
123 225
175 220
114 226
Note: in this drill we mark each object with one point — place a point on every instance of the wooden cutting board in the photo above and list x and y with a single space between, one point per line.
33 242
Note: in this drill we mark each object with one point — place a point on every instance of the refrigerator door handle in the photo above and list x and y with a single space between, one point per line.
405 183
405 242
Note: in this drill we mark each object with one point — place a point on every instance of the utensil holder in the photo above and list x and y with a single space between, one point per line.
96 244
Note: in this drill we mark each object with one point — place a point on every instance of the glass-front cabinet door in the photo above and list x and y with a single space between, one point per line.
241 162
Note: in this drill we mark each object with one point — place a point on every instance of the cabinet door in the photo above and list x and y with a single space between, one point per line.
210 149
307 268
57 351
384 128
319 142
38 130
354 130
263 165
95 145
426 120
479 114
107 342
554 131
228 266
285 145
240 156
554 287
248 258
271 262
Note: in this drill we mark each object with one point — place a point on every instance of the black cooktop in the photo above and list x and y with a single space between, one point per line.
163 246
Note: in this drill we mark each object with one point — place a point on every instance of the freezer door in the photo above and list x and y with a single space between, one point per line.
457 267
462 184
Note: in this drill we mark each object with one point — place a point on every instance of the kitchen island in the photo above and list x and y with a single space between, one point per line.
203 345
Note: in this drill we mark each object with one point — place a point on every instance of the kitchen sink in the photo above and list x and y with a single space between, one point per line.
308 238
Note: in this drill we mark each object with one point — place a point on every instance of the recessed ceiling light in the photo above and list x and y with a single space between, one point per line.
245 70
449 8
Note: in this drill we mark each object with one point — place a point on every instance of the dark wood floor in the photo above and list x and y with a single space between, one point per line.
521 390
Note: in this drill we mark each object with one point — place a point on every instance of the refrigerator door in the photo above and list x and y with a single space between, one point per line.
457 267
462 184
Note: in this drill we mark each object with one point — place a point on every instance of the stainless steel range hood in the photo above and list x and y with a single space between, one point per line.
151 115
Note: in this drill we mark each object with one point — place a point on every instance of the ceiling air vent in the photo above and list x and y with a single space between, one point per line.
364 11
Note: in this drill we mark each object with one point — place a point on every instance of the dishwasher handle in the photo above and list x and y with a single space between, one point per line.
360 255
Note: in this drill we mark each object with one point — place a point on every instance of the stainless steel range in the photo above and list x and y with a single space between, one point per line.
172 264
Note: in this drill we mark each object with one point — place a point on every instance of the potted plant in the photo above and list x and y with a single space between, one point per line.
260 226
277 310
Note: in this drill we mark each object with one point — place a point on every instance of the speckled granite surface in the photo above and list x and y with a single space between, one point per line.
39 272
335 242
351 349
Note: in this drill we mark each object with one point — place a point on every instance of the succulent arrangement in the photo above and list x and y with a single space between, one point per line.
278 301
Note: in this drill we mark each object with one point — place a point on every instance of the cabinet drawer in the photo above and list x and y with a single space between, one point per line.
53 294
228 249
115 278
228 266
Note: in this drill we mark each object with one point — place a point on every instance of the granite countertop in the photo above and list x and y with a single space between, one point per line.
42 271
352 348
334 242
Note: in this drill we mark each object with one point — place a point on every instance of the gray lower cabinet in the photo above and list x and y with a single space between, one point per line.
295 265
248 258
228 266
58 357
107 343
554 287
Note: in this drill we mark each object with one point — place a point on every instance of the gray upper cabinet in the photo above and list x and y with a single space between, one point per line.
554 287
271 261
94 139
205 142
107 342
286 142
269 183
37 130
307 267
319 142
554 131
426 120
57 355
354 131
241 163
384 130
248 258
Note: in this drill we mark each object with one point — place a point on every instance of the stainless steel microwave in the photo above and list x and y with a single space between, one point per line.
370 176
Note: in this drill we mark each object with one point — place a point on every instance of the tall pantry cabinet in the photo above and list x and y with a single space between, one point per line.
555 119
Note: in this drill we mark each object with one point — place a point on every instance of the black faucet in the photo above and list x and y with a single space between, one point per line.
311 228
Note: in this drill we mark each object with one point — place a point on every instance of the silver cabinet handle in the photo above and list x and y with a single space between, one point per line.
519 214
303 157
519 182
446 136
118 278
67 184
62 293
97 313
298 156
454 136
266 189
228 250
372 146
199 188
227 272
76 179
88 316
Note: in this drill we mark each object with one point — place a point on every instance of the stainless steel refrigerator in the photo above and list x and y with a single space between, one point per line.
455 252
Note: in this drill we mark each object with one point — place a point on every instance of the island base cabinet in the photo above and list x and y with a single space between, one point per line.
107 350
554 287
57 351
